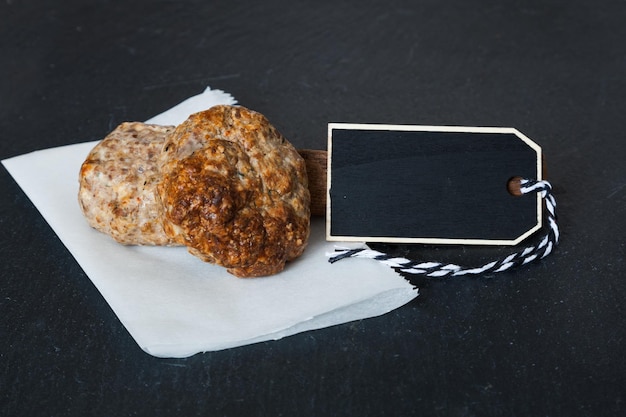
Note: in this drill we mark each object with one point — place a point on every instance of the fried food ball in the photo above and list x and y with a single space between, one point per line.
234 191
117 185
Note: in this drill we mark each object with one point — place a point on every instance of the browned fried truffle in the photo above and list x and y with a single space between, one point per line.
234 191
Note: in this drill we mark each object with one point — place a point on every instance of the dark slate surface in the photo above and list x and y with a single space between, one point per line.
546 340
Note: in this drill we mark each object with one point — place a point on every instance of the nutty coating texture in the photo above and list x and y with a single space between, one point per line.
234 191
117 185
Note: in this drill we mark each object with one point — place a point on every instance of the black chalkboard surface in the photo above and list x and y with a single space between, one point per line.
430 184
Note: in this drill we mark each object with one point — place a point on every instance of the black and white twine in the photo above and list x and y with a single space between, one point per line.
438 269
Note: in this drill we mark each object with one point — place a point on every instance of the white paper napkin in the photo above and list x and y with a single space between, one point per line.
175 305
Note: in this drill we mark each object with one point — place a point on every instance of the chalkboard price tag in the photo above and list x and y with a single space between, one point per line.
430 184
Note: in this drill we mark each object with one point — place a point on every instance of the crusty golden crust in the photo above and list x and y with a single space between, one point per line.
117 185
225 183
235 191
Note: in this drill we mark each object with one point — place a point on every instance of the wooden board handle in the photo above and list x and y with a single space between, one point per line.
316 169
